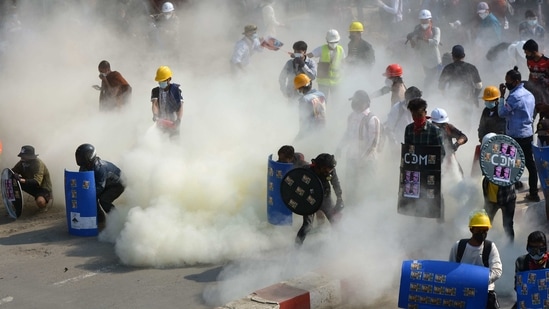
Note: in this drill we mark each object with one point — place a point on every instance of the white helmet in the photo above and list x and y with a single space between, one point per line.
332 36
167 7
425 14
439 115
487 137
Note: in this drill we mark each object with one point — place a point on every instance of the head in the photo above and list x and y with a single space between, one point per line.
85 155
104 67
512 78
425 18
531 49
491 97
360 101
250 31
300 47
458 52
163 76
324 164
27 153
332 38
483 10
479 224
536 245
439 116
446 59
418 108
543 131
412 93
286 154
355 30
167 10
393 70
531 18
302 83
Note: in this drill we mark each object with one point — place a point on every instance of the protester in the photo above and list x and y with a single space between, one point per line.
450 133
394 84
324 167
245 48
361 53
299 63
530 28
518 111
269 18
490 121
421 131
399 116
165 32
489 31
108 183
330 63
34 177
287 154
167 102
115 92
479 251
538 65
312 107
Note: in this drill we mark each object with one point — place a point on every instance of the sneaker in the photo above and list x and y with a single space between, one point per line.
519 185
532 197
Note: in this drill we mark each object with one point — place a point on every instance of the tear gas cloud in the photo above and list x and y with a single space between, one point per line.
201 199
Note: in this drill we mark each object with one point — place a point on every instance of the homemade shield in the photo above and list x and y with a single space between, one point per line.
440 284
541 156
81 203
12 194
302 191
277 212
531 287
502 160
419 188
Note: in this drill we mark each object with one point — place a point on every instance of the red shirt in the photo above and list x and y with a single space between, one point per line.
539 71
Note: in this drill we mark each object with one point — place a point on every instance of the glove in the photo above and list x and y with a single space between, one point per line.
299 62
339 205
17 177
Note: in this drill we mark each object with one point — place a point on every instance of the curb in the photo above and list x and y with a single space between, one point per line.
311 290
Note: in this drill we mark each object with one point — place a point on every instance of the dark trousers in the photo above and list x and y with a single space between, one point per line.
492 302
105 199
526 145
327 208
507 214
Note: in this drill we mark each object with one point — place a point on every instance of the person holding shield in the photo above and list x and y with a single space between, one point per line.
323 166
34 176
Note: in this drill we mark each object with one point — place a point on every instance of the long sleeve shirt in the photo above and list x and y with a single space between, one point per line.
362 135
289 72
518 111
473 255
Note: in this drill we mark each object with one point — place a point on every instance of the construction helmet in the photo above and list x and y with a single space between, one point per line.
487 137
439 115
301 80
425 14
85 154
479 219
167 7
332 36
393 70
163 73
491 93
356 27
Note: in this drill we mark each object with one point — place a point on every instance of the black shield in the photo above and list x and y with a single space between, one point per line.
12 194
302 191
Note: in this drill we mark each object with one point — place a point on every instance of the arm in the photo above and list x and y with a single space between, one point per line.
283 78
374 129
435 40
310 68
496 268
393 9
336 185
100 174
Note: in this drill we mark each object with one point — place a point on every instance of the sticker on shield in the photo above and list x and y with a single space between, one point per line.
502 160
12 195
302 191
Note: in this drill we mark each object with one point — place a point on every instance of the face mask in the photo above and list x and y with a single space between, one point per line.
168 15
529 57
510 86
332 45
163 84
489 104
483 15
480 237
424 26
388 82
254 36
103 74
536 253
532 22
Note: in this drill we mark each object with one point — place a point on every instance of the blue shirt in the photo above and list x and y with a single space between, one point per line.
518 111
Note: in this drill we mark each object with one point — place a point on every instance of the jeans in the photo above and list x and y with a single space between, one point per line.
526 145
507 213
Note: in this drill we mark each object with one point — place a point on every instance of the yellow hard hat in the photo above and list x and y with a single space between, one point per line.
301 80
163 73
356 26
491 93
479 219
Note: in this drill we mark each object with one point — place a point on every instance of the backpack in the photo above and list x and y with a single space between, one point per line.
485 251
364 129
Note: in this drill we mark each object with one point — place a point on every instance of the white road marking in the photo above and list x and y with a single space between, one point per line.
5 300
86 275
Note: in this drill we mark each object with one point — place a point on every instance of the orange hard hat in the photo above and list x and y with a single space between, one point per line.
393 70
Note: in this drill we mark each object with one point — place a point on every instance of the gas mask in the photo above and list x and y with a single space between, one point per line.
536 253
332 46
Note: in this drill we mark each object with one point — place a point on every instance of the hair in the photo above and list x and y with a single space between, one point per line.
360 101
325 160
417 104
514 74
287 151
300 45
537 236
530 46
412 93
529 13
104 65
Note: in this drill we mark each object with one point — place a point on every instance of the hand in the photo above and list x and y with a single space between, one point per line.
455 146
300 62
339 205
102 76
96 87
17 177
154 118
502 89
177 122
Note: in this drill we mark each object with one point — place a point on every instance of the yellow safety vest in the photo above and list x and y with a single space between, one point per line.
333 76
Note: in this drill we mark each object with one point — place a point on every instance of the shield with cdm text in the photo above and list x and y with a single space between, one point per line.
12 195
502 160
302 191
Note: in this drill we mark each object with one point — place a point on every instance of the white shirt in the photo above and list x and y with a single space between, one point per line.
473 255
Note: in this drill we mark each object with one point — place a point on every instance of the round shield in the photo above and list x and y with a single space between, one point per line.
302 191
12 195
502 160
